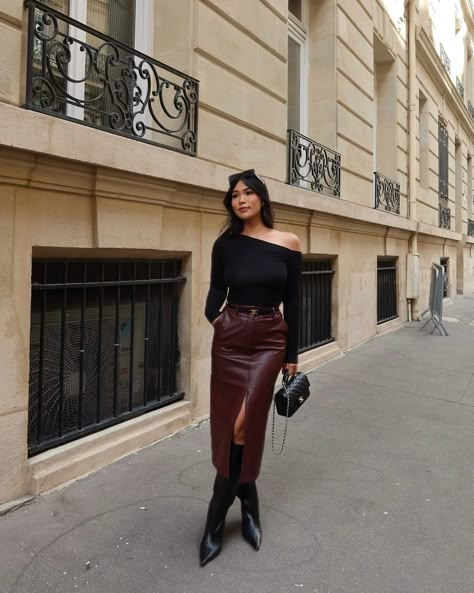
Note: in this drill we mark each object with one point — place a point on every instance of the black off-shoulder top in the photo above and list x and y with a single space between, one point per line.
250 271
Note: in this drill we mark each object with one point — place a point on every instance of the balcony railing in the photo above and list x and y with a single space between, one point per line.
444 59
77 73
470 108
387 194
313 166
470 227
444 217
460 88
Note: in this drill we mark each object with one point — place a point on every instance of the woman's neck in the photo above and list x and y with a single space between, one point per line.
254 228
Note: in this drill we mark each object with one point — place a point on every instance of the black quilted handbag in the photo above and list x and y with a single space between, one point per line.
291 396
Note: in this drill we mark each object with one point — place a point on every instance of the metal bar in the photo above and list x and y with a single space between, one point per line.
61 363
178 280
159 332
147 340
117 347
173 339
132 341
99 350
81 353
41 361
317 272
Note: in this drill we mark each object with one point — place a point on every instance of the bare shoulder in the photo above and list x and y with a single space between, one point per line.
290 240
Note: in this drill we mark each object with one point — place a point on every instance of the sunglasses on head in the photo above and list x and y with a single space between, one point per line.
244 175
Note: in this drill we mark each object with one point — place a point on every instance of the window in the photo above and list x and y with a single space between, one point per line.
103 345
444 262
469 188
385 110
297 70
115 18
459 191
386 289
443 162
443 167
423 141
125 21
316 304
294 7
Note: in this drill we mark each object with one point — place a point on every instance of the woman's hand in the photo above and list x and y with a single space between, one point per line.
291 368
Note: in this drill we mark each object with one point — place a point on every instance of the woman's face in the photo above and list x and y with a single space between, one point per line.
245 202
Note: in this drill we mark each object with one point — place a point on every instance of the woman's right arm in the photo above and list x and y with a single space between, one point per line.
217 290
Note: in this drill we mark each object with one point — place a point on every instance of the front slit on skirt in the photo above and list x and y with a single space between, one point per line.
248 352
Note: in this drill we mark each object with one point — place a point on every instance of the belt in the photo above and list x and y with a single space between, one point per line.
252 310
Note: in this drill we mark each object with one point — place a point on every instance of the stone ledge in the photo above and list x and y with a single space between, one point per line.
308 361
388 326
74 460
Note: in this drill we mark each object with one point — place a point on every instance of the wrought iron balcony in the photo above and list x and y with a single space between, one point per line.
387 194
470 227
77 73
470 108
460 88
444 59
444 217
313 166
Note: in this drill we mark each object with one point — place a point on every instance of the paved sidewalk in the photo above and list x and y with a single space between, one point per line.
373 494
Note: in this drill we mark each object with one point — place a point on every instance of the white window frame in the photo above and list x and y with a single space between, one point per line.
297 32
143 42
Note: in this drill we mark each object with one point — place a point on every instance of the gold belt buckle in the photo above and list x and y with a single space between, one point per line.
253 311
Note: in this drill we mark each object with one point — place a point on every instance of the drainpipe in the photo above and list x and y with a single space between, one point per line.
412 304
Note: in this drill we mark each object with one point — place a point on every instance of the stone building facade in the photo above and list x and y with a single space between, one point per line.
113 165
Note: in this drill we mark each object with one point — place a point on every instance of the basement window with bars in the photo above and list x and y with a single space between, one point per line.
316 304
103 345
386 289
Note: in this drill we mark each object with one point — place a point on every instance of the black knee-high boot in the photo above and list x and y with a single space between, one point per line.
224 494
251 528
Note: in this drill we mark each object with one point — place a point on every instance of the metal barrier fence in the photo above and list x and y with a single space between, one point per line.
103 347
435 306
316 304
386 289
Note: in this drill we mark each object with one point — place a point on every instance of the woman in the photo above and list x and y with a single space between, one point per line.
254 268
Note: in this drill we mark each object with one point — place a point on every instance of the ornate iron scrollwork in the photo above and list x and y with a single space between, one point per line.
470 108
444 217
387 194
103 83
313 166
470 227
460 88
444 59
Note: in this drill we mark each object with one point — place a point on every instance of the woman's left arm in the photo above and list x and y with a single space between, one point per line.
292 303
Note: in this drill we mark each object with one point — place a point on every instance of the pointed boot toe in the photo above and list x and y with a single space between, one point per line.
251 530
210 547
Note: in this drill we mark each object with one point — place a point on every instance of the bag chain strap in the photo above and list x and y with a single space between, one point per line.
286 421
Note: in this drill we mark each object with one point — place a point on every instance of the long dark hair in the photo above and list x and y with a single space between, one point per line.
234 225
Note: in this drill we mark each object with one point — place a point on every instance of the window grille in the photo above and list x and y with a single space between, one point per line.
316 304
386 289
103 346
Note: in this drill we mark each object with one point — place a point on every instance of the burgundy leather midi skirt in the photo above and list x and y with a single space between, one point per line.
248 352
